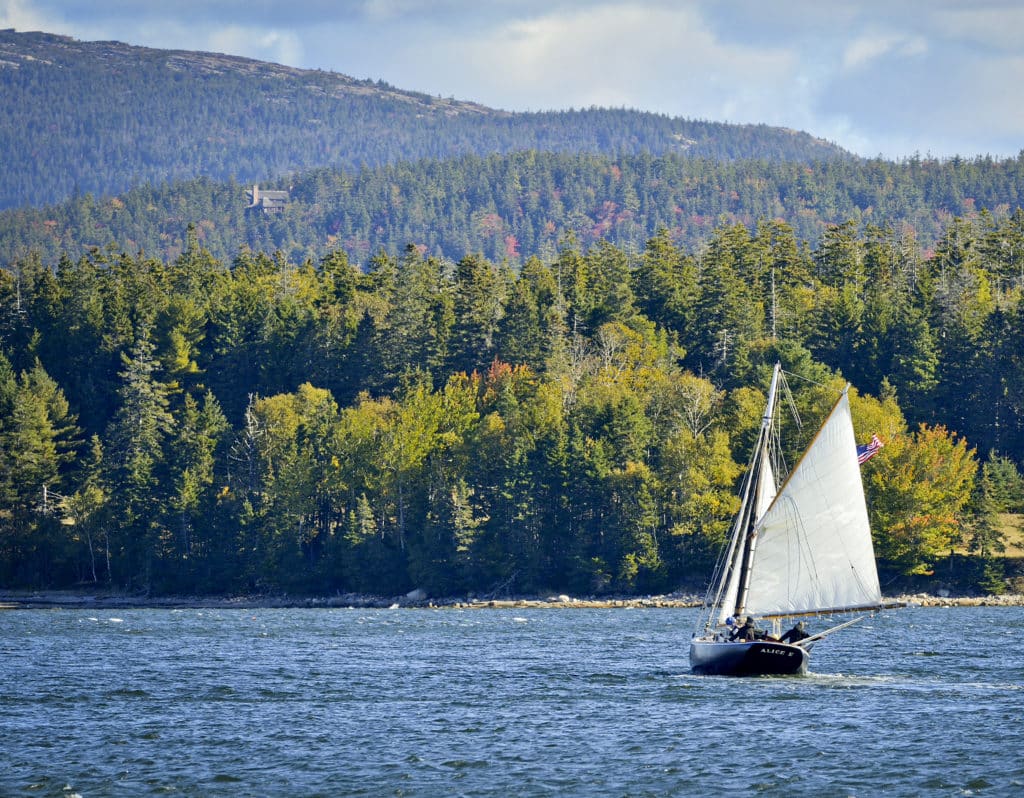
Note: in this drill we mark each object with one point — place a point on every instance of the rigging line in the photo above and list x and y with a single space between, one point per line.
860 582
805 552
789 400
805 379
725 555
738 553
780 469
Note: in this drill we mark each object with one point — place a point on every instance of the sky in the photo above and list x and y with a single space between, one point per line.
895 78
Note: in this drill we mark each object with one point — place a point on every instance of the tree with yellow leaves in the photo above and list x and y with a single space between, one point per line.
919 487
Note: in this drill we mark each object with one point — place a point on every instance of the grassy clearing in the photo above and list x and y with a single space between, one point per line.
1012 527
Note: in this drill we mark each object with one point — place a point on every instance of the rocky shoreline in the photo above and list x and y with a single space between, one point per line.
416 600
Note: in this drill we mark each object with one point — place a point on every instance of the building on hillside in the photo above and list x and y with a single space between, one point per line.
267 201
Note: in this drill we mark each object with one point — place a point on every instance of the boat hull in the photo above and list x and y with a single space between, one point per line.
757 658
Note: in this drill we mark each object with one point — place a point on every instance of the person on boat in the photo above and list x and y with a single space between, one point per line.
747 632
795 634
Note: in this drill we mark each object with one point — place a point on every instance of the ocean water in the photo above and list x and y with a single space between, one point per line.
531 702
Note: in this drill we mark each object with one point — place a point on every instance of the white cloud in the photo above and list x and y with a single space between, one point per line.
22 14
279 46
868 48
656 58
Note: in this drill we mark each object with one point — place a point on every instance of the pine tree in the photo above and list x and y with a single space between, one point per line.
665 284
88 509
136 457
191 470
479 294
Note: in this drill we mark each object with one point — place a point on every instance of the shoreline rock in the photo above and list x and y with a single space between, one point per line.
416 600
78 600
930 600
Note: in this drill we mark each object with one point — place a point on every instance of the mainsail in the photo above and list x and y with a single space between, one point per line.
813 548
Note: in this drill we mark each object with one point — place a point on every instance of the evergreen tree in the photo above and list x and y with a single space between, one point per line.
519 338
191 469
136 459
665 284
417 327
88 510
37 442
731 317
478 298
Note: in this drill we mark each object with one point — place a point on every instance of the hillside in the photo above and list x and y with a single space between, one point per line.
511 207
101 117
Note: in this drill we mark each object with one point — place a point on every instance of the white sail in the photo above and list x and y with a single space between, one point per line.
764 494
813 545
765 489
732 588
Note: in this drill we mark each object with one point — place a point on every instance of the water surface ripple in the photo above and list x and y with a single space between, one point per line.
531 702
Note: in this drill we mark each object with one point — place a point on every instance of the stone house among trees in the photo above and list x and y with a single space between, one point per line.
267 201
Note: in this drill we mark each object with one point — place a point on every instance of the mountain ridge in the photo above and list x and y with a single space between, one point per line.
103 117
212 63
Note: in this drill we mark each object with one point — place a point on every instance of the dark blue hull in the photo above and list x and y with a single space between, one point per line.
758 658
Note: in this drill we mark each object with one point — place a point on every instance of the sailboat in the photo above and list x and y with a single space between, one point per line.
802 548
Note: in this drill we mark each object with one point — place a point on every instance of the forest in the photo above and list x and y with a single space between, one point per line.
573 421
160 116
511 207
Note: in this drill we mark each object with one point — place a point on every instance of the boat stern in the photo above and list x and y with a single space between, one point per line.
757 658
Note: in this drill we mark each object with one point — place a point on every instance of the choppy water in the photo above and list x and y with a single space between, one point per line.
321 702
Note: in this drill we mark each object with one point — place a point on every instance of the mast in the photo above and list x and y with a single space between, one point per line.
750 538
722 600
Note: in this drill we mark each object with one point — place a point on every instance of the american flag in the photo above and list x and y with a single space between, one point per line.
869 450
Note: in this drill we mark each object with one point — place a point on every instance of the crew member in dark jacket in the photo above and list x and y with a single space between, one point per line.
795 634
748 631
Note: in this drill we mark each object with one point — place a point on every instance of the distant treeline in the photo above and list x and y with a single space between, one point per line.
102 117
509 208
577 423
